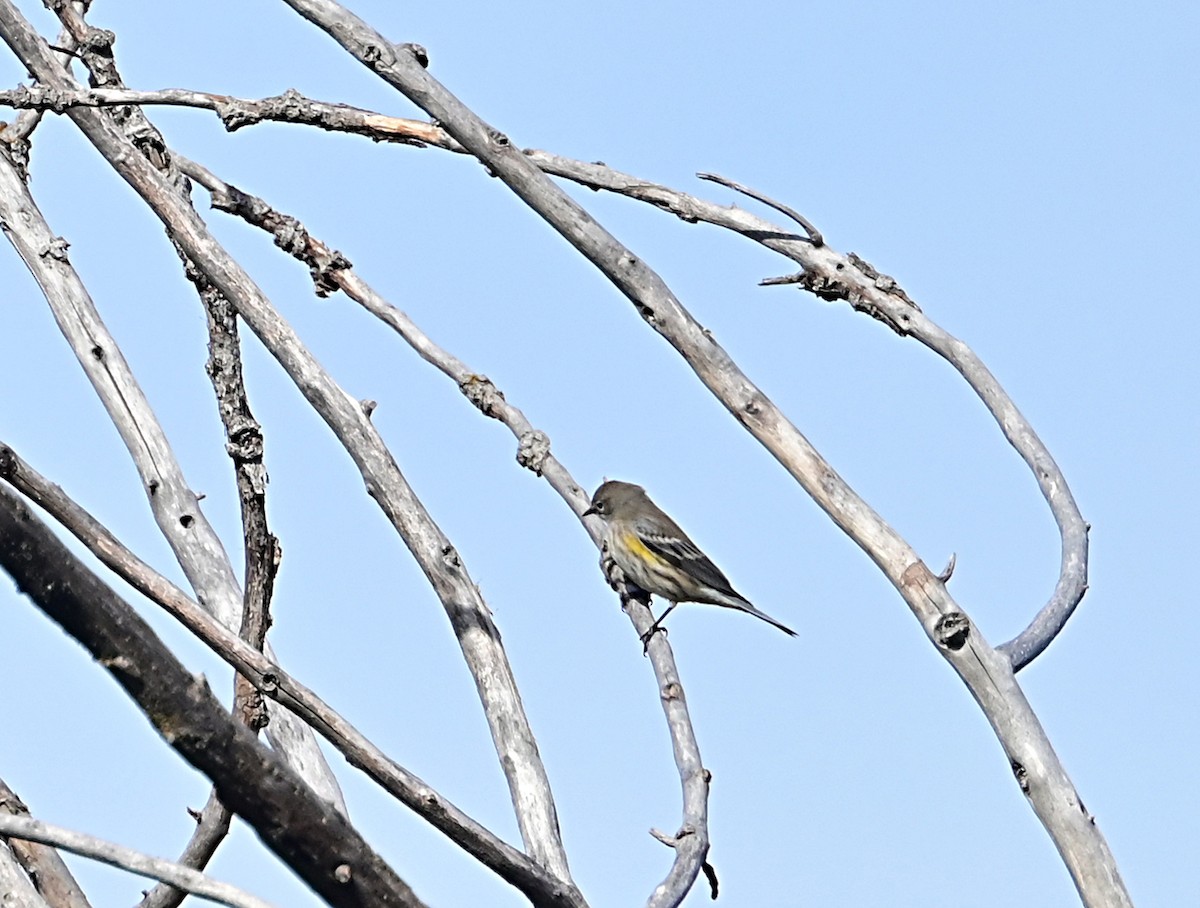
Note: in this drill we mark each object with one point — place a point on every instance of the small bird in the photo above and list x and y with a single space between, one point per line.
653 552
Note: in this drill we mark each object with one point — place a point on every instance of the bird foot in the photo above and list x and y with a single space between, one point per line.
645 638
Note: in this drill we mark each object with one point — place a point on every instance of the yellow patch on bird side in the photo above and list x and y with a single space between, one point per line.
634 543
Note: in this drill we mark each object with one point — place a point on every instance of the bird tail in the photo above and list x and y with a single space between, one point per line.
743 605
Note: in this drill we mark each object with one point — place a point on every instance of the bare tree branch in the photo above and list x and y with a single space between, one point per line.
15 884
289 737
174 505
831 277
331 270
307 832
541 887
212 826
184 878
236 113
472 623
244 444
46 869
986 672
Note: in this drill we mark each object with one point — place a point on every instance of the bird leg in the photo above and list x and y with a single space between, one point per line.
655 628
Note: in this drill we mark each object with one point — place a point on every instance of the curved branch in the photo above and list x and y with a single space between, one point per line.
176 875
830 276
331 270
987 674
814 235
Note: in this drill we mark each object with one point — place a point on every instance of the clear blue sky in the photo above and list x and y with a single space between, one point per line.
1028 174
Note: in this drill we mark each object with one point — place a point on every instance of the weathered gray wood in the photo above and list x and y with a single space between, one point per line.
478 635
330 270
45 867
539 885
184 878
175 507
831 275
306 831
15 884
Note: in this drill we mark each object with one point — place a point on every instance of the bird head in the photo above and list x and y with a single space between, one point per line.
613 498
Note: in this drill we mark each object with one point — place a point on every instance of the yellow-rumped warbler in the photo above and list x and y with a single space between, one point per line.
653 552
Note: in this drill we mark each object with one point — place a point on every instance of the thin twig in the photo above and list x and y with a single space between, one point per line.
43 866
814 235
184 878
948 571
237 113
212 826
244 444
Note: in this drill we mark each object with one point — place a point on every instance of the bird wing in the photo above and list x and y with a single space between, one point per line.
674 547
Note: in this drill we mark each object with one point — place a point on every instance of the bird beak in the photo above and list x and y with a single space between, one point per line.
591 509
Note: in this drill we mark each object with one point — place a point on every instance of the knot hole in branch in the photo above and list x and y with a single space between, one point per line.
1021 775
952 630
